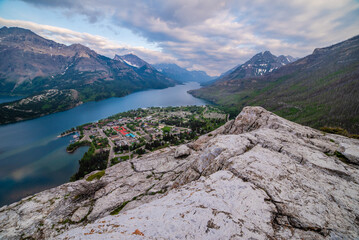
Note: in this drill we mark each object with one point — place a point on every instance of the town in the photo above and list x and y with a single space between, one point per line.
131 134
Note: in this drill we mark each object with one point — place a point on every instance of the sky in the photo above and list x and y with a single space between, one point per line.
208 35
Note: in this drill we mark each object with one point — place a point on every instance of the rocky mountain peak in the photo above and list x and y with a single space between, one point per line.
82 51
15 30
262 58
24 38
267 54
258 176
117 58
79 47
132 60
286 59
260 64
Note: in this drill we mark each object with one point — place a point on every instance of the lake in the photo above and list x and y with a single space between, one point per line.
32 158
4 99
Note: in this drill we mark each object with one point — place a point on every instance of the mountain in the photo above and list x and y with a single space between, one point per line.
132 60
260 64
257 177
180 74
229 71
142 67
318 90
30 64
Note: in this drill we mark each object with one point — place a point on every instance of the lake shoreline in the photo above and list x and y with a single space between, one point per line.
76 104
33 158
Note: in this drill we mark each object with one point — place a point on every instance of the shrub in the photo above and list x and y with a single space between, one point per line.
339 131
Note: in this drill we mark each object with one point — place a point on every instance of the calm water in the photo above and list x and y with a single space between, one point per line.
4 99
32 158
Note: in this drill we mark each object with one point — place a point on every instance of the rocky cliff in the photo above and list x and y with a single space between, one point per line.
257 177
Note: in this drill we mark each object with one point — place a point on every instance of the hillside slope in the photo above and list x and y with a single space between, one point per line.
317 90
37 105
258 176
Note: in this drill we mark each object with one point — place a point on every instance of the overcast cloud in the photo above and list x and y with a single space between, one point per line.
212 35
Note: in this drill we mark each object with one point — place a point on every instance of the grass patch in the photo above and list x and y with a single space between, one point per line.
341 157
66 221
124 158
119 208
162 191
97 176
166 129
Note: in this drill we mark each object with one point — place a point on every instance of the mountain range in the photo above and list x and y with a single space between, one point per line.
318 90
31 64
180 74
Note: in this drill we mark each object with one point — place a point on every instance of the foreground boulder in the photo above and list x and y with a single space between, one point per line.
258 176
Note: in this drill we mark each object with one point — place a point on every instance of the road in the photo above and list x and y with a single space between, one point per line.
112 145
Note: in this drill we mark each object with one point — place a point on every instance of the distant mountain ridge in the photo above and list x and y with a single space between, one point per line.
260 64
318 90
180 74
30 64
132 60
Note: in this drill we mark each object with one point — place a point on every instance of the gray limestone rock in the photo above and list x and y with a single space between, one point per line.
182 151
257 177
80 214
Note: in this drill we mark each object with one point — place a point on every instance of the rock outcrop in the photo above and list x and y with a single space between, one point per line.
182 151
258 176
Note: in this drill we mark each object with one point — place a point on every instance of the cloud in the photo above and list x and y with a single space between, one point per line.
214 36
